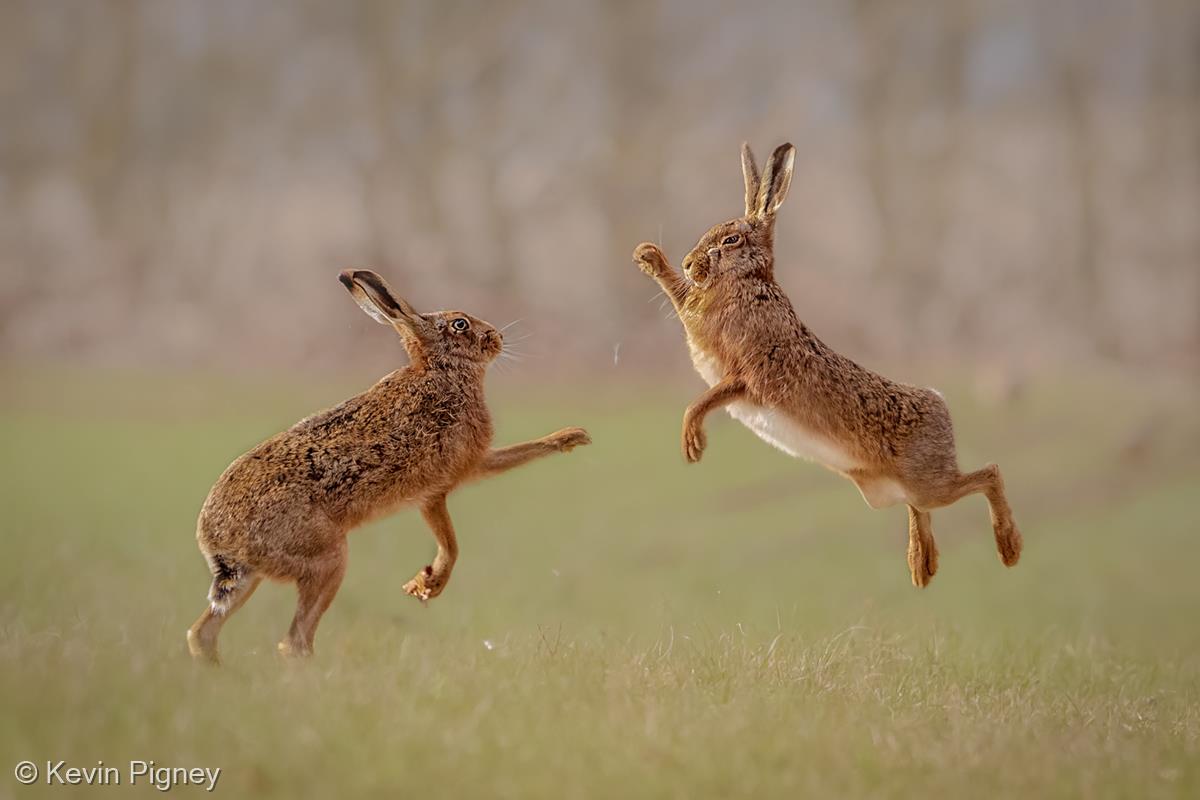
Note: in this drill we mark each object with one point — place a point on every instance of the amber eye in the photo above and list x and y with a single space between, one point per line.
734 239
460 324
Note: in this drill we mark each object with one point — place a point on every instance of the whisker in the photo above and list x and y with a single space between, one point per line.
509 325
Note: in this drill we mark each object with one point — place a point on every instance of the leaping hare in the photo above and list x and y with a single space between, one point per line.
773 374
283 510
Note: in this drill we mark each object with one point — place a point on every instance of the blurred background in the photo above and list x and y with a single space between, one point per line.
1012 182
997 197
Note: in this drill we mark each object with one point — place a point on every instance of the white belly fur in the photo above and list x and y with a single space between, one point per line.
789 436
781 431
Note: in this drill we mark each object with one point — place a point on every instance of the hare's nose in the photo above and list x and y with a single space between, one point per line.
687 262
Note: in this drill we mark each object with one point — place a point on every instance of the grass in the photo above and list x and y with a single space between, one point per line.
619 624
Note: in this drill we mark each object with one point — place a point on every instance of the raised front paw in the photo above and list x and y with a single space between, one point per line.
568 439
694 442
650 259
425 585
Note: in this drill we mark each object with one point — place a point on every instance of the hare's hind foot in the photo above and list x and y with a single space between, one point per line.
1008 542
315 591
922 549
225 597
1008 537
202 648
289 649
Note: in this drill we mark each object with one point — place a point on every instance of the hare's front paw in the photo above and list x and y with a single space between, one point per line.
425 585
568 439
694 442
650 259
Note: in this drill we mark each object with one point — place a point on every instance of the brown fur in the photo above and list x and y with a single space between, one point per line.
893 440
283 510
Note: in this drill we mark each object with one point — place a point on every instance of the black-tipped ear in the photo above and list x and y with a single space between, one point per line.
750 173
776 181
375 297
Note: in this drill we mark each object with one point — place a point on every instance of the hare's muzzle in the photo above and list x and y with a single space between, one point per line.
696 266
493 341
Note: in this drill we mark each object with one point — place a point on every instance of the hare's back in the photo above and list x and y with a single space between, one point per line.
393 443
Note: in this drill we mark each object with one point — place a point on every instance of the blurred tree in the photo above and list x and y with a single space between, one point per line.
995 179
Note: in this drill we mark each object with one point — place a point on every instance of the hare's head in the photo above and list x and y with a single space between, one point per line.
745 245
444 334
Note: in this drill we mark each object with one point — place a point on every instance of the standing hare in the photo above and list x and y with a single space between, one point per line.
774 375
283 510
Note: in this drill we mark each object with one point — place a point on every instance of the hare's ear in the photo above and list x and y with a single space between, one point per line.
750 173
375 297
773 188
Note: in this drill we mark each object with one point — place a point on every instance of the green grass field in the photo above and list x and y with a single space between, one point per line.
619 624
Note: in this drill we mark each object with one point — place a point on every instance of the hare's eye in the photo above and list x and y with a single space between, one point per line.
460 324
734 239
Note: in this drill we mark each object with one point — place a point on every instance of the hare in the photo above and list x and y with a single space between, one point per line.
774 375
283 510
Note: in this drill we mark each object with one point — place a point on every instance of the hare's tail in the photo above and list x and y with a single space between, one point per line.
227 577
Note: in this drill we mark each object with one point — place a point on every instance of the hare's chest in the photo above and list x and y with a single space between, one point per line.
706 364
776 427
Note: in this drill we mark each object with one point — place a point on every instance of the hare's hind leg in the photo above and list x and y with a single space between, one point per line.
316 588
1008 537
991 484
231 588
922 550
430 581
